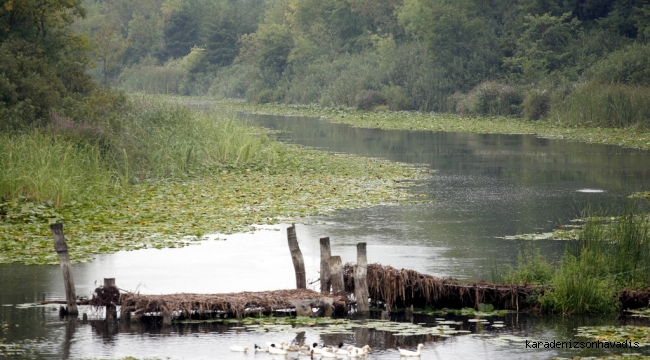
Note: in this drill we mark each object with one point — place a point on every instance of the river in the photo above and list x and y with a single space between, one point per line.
482 188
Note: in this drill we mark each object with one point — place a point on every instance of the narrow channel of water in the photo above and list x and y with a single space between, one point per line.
483 187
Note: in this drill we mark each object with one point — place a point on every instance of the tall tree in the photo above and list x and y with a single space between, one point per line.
41 59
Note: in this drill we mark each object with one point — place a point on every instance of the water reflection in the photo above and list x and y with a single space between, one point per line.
484 187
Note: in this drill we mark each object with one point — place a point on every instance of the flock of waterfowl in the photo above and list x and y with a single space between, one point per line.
315 349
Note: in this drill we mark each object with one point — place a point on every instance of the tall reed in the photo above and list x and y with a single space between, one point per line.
612 253
606 105
43 167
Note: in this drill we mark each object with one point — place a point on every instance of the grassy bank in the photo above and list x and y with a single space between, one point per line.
407 120
162 175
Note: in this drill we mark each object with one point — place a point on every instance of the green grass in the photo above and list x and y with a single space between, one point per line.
162 175
46 168
609 254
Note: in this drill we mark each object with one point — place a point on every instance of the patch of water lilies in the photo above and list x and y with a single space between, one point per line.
441 327
644 313
637 335
485 310
175 213
567 232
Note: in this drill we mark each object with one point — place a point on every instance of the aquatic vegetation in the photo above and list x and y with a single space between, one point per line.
485 310
643 313
441 328
409 120
637 335
171 213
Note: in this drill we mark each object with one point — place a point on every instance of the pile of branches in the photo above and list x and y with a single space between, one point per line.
105 296
235 304
403 288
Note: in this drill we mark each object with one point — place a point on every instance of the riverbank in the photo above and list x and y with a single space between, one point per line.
408 120
253 180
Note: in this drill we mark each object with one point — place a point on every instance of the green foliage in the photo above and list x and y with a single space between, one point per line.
43 168
532 268
488 99
180 33
546 45
577 288
460 40
612 105
629 65
41 61
537 104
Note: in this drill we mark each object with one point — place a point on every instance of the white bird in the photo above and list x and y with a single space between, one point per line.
276 350
280 344
239 348
342 351
403 352
317 349
260 349
354 352
329 353
362 350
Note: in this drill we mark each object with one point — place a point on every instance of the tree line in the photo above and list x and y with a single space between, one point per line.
575 61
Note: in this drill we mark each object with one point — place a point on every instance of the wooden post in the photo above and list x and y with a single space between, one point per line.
360 279
111 308
336 266
166 316
61 248
325 255
296 256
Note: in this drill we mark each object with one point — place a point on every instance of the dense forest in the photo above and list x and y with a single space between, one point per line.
583 62
533 59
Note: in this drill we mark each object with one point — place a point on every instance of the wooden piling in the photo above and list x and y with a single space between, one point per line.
296 256
360 279
61 248
325 255
111 308
336 267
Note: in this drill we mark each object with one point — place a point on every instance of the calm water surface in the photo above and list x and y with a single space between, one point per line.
483 187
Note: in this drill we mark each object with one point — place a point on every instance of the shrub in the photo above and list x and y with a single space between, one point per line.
370 99
537 104
395 97
488 99
629 65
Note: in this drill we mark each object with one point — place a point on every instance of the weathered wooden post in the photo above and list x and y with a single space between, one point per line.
325 255
360 279
61 248
336 267
111 308
296 256
166 316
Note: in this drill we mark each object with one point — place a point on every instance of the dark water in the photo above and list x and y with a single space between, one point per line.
483 187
